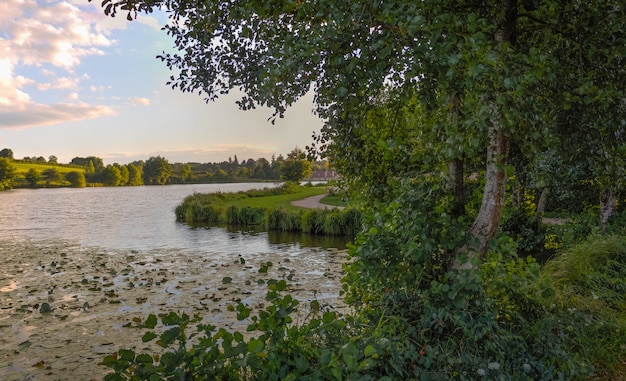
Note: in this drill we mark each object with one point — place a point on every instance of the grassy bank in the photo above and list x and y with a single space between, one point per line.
271 209
22 169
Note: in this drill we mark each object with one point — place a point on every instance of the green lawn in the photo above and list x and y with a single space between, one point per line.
270 202
23 168
335 200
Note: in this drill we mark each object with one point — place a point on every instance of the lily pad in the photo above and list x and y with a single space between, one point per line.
45 308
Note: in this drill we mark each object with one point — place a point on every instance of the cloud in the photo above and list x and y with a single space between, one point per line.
51 37
41 115
140 101
210 154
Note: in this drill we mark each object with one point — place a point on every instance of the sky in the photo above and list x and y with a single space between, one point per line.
77 83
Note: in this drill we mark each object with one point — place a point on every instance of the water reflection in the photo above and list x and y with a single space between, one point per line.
279 238
138 218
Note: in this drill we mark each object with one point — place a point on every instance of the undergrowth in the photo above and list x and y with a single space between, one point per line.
508 318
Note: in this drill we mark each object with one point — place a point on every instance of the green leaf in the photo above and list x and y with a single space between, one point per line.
281 285
370 351
148 336
151 321
109 360
126 355
170 360
255 346
301 363
169 336
144 359
172 319
45 308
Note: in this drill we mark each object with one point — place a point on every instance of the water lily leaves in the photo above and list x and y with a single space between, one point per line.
265 266
148 336
151 321
169 336
45 308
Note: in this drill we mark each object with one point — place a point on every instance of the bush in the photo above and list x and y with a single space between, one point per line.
275 348
446 324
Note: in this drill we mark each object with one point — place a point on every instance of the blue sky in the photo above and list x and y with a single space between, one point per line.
74 82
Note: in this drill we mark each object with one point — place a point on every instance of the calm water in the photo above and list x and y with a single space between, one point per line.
140 218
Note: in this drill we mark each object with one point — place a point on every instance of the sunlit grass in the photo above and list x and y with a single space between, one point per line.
23 168
270 202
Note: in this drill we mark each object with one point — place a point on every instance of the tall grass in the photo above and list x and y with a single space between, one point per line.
270 208
284 220
590 281
245 216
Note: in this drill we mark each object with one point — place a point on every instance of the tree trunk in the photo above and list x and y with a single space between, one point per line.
608 203
541 205
488 219
456 172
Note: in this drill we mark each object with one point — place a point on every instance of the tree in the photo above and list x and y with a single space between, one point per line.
111 176
296 166
7 173
32 176
156 171
481 70
135 175
52 159
76 179
262 169
6 153
96 162
186 174
124 174
91 169
52 175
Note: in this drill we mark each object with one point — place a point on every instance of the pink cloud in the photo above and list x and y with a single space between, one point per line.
33 115
53 34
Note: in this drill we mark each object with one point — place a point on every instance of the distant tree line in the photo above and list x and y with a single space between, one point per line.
157 170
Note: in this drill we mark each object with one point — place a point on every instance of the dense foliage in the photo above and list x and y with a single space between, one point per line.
446 117
7 173
38 172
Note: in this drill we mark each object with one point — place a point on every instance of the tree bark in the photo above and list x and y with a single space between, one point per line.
456 171
488 219
608 203
541 205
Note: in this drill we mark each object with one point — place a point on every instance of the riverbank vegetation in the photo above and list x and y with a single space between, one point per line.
38 172
269 209
458 125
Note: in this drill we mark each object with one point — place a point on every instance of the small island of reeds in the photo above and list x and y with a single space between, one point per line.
271 210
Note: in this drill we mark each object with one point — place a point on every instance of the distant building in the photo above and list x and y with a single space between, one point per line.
323 175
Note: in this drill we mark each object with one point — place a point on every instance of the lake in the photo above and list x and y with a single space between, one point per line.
105 258
136 218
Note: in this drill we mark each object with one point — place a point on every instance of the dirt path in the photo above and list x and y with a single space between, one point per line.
314 202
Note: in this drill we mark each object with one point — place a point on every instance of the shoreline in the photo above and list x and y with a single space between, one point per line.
97 297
